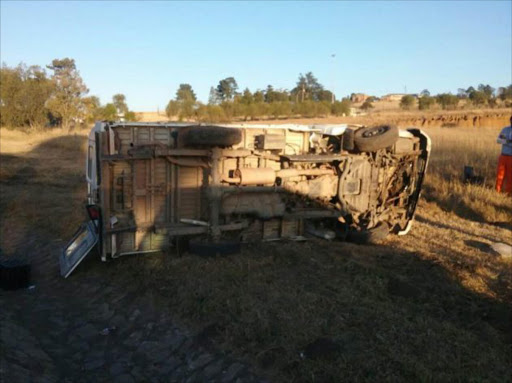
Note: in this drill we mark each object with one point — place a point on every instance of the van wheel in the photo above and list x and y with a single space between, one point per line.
370 236
209 136
348 140
14 274
371 139
212 249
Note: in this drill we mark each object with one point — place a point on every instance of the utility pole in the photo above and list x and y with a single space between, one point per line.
332 76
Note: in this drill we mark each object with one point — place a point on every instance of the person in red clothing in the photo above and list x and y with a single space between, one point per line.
504 175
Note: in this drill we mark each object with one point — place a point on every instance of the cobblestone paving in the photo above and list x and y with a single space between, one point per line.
97 326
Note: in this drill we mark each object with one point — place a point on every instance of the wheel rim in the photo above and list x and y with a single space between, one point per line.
377 131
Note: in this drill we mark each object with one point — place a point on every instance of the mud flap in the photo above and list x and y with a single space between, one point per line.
76 250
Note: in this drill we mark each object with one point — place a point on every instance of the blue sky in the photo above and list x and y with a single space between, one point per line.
146 49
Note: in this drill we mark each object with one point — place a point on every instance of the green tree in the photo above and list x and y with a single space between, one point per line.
325 95
505 93
307 88
478 98
37 88
119 101
258 96
407 102
172 109
10 89
69 88
24 92
93 108
184 105
131 116
247 97
447 100
209 113
226 89
186 93
280 109
487 90
109 112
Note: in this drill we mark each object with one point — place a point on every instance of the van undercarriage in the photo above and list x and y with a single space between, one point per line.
151 184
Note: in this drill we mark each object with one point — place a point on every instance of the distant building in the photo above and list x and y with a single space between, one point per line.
357 112
358 97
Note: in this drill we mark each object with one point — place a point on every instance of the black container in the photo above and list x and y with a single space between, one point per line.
14 274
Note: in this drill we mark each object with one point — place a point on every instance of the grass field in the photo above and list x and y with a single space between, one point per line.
434 305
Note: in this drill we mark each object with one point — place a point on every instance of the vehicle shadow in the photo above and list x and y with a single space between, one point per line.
43 193
285 295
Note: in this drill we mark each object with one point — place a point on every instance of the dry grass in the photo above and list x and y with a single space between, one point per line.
452 149
42 185
434 305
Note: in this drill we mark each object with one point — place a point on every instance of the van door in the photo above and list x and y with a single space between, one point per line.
76 250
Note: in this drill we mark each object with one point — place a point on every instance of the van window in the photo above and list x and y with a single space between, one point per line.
90 156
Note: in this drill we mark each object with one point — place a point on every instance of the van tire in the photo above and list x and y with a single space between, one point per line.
212 249
210 136
348 140
371 139
370 236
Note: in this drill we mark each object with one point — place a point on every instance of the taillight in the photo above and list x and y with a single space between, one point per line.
93 211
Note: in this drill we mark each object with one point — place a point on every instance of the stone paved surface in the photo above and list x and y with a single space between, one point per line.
98 326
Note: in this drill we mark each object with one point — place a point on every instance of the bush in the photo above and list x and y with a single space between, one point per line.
367 104
131 116
407 102
323 109
280 109
172 109
478 98
447 100
341 108
426 102
210 113
261 109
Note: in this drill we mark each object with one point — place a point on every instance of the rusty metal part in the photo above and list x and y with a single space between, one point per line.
315 158
261 205
255 176
288 173
233 153
176 229
312 213
252 189
193 162
284 173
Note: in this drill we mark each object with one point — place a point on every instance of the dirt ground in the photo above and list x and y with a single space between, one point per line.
434 305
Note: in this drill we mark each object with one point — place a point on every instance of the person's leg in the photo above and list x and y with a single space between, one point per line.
507 182
500 175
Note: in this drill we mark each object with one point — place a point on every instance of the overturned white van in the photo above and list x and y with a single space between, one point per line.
155 186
